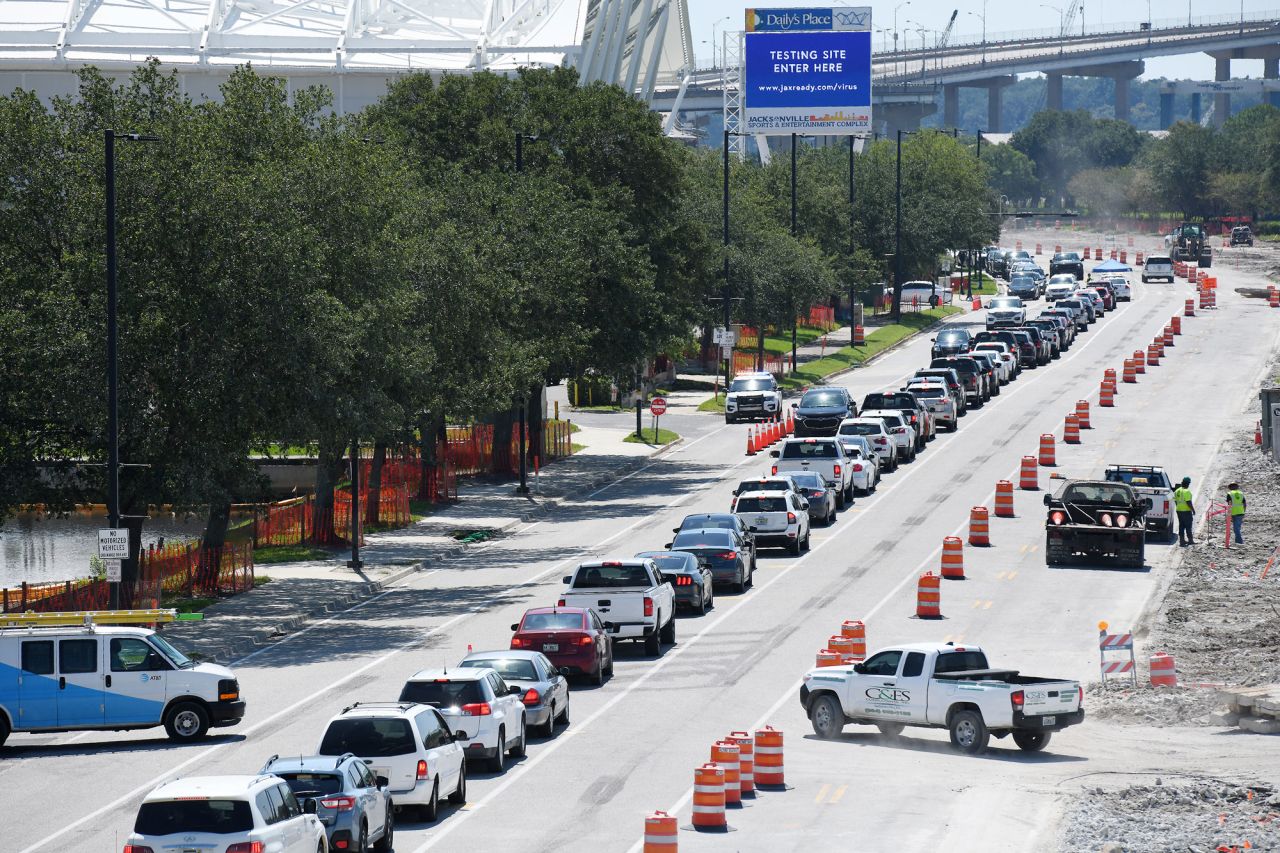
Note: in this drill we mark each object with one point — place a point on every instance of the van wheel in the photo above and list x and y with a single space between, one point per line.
186 721
4 729
1031 741
431 810
459 795
499 761
968 732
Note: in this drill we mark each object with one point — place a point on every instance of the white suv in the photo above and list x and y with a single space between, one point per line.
778 519
752 395
407 743
236 814
1157 266
877 433
938 399
900 429
480 707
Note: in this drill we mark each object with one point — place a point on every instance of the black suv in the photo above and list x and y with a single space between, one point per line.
902 401
1067 262
972 375
1241 235
821 410
950 342
1043 351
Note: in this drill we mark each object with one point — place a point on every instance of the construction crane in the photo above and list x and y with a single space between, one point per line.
1069 19
939 47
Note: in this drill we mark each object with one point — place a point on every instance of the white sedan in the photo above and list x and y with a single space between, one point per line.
864 462
1007 362
1120 287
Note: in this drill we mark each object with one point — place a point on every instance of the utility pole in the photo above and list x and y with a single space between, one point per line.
523 488
724 287
897 234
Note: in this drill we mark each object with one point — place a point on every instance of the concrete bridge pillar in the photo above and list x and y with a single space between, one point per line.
905 116
1221 100
1195 107
1122 98
995 98
950 105
1166 110
1271 71
1054 82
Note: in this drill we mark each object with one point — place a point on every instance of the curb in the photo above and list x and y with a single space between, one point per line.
229 653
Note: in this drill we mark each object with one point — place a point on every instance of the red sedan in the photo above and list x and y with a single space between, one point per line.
573 638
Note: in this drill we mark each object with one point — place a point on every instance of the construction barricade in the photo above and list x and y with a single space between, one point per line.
1004 499
708 799
1082 414
1112 644
1130 371
1047 455
1028 475
1107 394
952 558
770 771
725 755
746 761
1071 430
1163 672
660 833
828 657
1153 354
854 631
929 596
979 527
1139 361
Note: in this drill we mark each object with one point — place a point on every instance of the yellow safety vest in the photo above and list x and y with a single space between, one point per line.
1237 501
1182 499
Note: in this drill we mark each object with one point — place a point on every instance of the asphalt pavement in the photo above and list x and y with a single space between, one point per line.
634 742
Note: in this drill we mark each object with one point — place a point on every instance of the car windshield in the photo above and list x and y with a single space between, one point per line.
369 737
698 522
952 337
751 385
551 622
312 784
606 575
809 481
170 817
762 504
669 561
821 398
1006 302
440 693
1097 493
861 429
1066 256
178 659
1022 279
810 449
520 669
703 539
890 420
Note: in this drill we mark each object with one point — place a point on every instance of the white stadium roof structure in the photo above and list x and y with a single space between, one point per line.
353 46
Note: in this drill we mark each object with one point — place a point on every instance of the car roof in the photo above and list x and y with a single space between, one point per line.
759 495
753 374
513 654
878 413
716 515
814 439
222 787
469 674
314 763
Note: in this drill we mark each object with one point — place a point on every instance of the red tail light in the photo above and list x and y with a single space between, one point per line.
241 847
137 848
857 467
422 764
1058 517
774 469
1105 518
913 418
560 603
342 804
836 470
475 709
648 606
586 640
1081 696
727 555
531 697
791 518
684 580
882 440
1018 699
517 643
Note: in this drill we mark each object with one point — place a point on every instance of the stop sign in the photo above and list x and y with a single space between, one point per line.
658 405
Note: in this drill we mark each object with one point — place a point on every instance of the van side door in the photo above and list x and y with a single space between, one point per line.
37 699
80 681
135 681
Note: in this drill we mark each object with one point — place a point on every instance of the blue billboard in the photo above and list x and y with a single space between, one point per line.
807 82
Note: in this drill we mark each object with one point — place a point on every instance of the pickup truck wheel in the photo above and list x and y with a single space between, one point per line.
652 645
840 501
668 633
968 733
890 729
1031 741
848 492
827 717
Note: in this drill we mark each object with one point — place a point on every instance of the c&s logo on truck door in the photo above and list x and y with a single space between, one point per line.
887 694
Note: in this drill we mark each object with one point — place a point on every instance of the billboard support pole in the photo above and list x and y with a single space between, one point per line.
724 288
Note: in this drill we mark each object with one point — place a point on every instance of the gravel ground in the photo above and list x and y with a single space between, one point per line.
1173 814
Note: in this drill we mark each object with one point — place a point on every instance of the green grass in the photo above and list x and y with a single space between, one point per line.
290 554
577 448
186 605
876 342
664 436
261 580
715 404
609 409
778 344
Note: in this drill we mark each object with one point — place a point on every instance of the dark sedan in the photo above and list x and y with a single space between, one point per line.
821 410
724 551
689 576
950 342
820 494
708 520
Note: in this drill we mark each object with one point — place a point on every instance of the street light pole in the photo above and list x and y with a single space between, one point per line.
895 33
724 287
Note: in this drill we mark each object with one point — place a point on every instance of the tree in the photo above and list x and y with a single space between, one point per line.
1010 172
1179 167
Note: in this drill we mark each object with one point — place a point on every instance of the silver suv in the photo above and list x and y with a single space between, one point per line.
354 805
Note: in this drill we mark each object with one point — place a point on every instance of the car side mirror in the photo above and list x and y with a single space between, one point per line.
860 668
383 782
675 530
752 529
461 736
609 626
569 578
515 626
514 691
309 806
1048 499
565 671
795 405
667 546
773 453
804 504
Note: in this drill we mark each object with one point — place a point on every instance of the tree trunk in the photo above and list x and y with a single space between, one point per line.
535 425
215 536
215 529
328 470
502 424
372 508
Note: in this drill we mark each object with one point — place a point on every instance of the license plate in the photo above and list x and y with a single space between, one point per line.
551 647
762 519
1048 721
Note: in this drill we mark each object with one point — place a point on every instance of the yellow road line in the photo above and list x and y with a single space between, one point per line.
835 797
822 792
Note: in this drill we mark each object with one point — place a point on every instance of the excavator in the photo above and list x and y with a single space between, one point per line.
1191 244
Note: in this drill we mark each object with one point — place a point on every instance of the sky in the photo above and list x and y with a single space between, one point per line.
1003 16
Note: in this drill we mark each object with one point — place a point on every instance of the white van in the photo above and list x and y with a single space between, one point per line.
58 676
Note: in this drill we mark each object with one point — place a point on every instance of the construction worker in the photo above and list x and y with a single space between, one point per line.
1186 512
1237 503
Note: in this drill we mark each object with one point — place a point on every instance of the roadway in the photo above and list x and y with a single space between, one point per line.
634 742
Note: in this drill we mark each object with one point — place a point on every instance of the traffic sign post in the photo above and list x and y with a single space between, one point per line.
113 543
658 406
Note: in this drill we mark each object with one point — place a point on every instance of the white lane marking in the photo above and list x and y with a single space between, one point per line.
45 843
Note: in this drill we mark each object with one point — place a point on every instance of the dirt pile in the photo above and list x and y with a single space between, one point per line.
1176 814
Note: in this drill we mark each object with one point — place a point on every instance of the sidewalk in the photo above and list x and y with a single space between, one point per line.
311 589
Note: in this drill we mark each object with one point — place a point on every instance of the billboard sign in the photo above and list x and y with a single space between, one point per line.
790 20
807 82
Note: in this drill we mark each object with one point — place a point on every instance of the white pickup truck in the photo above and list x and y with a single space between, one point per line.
632 598
941 686
1148 481
823 456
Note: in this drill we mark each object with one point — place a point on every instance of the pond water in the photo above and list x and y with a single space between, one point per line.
39 548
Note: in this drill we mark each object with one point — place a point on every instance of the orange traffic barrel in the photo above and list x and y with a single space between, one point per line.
929 596
746 761
1159 342
1205 294
855 631
660 831
828 657
1153 354
1039 249
1028 475
979 526
1130 241
1138 259
1084 254
708 799
1167 338
1082 414
1107 394
1130 371
1047 449
952 558
1109 375
1163 673
770 772
1192 274
1004 499
1071 430
725 754
1113 253
859 336
1097 252
1175 323
842 646
1273 297
1139 361
1124 256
